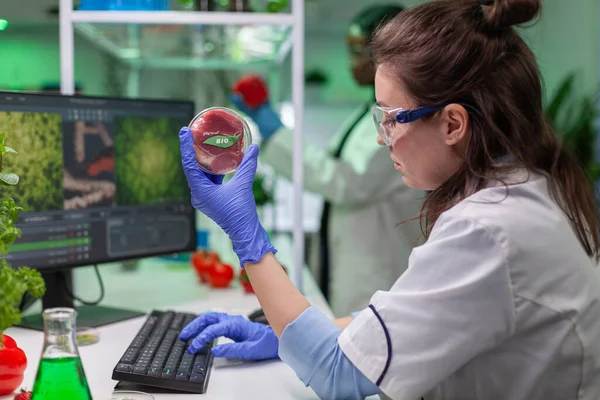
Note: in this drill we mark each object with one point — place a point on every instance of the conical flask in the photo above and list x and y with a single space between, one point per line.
60 374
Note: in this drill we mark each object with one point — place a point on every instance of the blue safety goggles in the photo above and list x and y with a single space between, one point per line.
386 119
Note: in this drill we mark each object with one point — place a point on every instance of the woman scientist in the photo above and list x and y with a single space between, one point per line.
502 301
365 198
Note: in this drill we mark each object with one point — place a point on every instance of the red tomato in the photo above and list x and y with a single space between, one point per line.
203 261
24 395
245 281
221 275
247 287
7 341
12 365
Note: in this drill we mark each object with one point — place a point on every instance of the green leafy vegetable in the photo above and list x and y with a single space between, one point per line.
9 214
14 283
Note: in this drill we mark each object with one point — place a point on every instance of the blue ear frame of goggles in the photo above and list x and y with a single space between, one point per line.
406 116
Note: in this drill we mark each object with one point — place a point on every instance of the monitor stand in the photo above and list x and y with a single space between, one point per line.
87 316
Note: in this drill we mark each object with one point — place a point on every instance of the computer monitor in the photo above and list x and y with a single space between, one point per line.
100 181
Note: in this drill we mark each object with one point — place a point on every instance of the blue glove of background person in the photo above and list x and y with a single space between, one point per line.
264 116
254 341
230 205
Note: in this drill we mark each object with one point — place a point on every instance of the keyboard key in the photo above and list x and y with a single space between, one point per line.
155 371
182 376
201 359
124 367
130 356
199 369
141 369
168 372
188 318
177 322
197 378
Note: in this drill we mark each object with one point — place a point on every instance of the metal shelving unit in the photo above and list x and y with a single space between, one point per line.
87 22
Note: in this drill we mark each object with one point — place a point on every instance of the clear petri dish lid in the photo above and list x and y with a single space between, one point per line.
221 137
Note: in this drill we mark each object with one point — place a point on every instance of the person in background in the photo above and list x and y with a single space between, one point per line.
367 204
502 301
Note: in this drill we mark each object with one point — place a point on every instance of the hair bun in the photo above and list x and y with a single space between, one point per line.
506 13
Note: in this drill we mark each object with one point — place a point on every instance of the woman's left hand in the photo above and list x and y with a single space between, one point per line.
230 205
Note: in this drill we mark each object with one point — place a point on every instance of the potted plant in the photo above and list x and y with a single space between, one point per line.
573 118
14 283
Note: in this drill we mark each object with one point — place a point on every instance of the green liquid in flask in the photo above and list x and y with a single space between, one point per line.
61 378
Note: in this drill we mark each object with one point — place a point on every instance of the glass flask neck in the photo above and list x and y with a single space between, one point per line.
59 333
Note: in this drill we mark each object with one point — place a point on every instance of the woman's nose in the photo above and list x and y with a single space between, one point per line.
380 141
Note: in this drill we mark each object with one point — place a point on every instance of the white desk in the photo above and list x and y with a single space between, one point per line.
160 286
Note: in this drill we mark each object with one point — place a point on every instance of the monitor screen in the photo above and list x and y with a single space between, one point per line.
100 179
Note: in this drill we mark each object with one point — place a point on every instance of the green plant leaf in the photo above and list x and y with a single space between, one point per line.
33 280
222 141
8 179
13 213
594 171
2 136
572 116
9 235
10 150
14 283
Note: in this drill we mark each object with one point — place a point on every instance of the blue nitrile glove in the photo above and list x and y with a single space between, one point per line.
264 116
230 205
254 341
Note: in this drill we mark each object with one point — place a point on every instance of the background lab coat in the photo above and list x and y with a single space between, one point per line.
368 249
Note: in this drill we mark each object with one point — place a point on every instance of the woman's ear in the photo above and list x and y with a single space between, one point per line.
455 124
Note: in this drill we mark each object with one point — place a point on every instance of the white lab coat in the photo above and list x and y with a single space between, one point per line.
368 249
501 303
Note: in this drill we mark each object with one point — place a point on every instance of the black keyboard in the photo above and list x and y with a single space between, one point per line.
157 357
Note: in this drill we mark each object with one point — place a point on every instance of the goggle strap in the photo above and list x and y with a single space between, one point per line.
404 117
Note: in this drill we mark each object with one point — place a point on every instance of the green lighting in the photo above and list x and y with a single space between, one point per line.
3 24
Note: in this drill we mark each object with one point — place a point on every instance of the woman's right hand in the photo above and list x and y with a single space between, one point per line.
230 205
253 341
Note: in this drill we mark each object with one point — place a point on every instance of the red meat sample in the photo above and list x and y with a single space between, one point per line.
216 159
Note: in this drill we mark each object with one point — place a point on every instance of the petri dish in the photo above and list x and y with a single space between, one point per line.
86 336
130 395
221 136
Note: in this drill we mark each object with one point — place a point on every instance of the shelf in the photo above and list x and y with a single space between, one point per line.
235 47
182 17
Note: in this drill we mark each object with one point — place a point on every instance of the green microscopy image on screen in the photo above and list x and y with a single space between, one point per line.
38 139
148 161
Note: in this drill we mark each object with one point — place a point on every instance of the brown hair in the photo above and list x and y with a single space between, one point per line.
459 51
